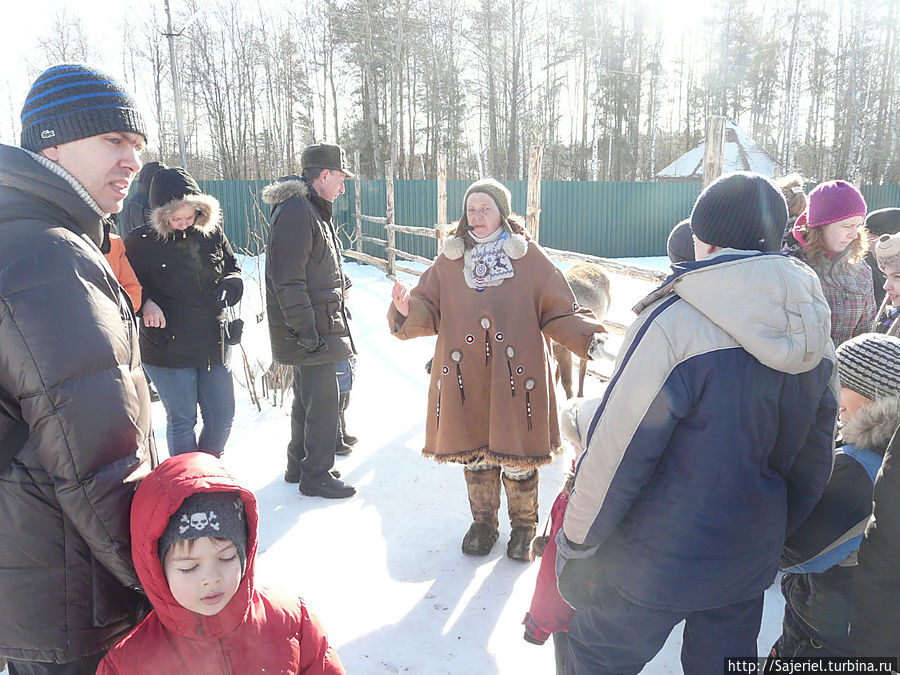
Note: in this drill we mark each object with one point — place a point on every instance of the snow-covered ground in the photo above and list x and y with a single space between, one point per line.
384 569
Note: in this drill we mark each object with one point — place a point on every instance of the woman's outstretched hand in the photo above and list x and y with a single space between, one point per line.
400 298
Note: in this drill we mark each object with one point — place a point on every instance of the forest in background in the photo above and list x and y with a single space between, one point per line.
607 87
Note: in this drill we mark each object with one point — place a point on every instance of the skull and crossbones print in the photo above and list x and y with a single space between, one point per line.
199 521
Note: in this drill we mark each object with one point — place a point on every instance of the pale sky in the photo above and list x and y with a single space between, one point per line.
27 20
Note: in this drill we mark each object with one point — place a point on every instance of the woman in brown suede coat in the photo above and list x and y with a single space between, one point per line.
493 298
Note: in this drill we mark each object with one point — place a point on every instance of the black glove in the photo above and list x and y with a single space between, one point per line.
577 570
310 344
229 291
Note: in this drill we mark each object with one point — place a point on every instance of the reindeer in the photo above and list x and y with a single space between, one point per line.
591 288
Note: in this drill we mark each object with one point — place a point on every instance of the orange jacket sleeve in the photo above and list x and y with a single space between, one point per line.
122 269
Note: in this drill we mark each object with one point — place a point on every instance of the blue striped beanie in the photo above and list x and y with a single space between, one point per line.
70 102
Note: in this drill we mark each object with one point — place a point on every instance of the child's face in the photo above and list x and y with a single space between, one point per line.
203 574
851 403
892 284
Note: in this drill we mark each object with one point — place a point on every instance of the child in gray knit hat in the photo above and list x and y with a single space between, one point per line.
208 525
819 558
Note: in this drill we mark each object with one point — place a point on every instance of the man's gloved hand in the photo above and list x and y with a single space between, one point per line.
230 291
312 345
576 571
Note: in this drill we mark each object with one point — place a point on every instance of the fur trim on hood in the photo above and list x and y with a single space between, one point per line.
282 190
874 424
209 214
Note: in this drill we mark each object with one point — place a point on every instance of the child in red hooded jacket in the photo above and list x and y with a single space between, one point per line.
550 615
194 538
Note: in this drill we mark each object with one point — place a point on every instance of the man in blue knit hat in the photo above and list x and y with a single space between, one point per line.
712 442
75 432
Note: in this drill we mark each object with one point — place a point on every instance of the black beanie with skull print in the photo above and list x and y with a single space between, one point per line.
208 514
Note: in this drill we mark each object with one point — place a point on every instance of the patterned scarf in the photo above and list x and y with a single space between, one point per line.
486 263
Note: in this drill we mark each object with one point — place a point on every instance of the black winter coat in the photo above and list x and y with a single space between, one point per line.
304 276
70 368
875 616
184 272
135 211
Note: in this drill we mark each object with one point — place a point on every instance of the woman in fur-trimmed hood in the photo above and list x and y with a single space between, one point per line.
493 298
819 558
189 274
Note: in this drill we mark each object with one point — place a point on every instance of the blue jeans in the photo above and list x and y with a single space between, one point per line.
616 636
181 390
346 372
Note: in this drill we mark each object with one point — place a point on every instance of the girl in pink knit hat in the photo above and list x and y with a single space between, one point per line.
831 238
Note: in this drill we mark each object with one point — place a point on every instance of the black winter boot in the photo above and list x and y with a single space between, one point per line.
522 500
342 423
327 486
484 500
295 478
344 443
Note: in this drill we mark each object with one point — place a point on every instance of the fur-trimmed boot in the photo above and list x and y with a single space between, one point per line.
522 499
484 500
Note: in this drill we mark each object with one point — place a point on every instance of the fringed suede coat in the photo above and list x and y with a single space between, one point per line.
491 392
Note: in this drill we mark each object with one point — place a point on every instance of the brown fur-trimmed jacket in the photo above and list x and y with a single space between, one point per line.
304 276
491 393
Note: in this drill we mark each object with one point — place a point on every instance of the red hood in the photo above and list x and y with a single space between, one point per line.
160 495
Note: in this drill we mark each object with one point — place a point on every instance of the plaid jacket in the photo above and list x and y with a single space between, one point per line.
848 289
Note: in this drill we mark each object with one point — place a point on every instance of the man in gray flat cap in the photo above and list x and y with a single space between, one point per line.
307 320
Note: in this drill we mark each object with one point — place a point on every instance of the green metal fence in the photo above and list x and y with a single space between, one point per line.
597 218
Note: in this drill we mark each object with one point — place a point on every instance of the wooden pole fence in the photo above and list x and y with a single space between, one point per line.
357 196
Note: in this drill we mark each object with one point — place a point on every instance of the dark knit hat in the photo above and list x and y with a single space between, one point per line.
171 184
146 175
208 514
869 364
832 201
680 244
70 102
740 210
883 221
326 156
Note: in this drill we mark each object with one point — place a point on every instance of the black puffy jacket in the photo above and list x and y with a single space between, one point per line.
70 369
185 272
304 276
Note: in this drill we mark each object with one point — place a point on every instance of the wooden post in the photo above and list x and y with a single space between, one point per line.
533 212
357 189
714 150
441 201
389 219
